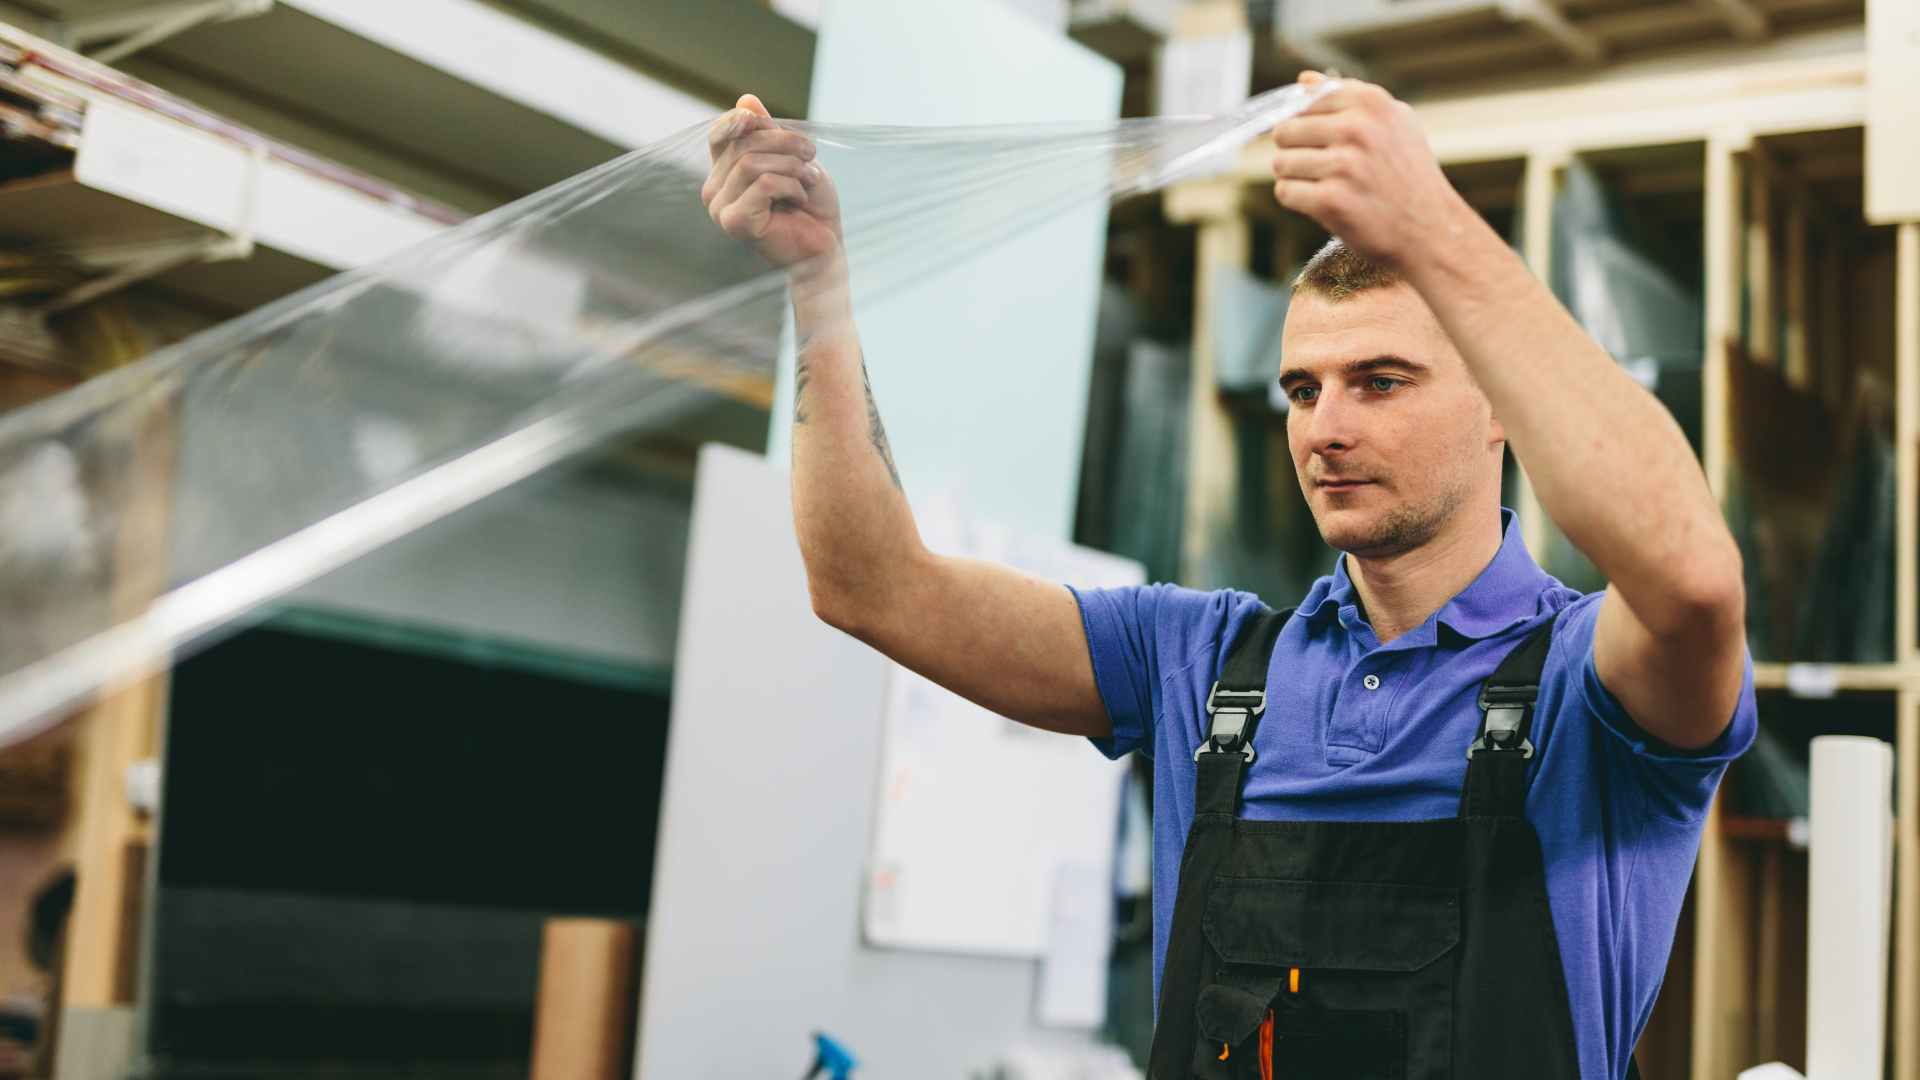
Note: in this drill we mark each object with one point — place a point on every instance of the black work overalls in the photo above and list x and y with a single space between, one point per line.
1413 950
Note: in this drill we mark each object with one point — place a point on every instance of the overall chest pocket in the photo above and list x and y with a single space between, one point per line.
1327 981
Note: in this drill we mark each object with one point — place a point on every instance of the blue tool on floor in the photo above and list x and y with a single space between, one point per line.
831 1058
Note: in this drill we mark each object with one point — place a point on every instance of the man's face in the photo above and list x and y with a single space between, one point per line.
1389 432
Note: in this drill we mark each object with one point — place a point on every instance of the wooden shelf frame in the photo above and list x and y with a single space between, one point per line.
1724 109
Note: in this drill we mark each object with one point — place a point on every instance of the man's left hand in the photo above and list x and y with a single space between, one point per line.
1357 163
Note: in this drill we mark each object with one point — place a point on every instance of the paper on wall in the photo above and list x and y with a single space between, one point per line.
977 814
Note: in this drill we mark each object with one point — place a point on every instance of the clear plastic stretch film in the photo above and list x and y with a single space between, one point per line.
145 510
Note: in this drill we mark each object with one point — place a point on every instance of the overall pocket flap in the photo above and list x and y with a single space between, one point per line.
1318 924
1233 1005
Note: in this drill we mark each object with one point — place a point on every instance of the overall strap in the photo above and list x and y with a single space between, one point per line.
1234 705
1497 758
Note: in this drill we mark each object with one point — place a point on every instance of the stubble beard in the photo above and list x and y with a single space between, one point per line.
1400 529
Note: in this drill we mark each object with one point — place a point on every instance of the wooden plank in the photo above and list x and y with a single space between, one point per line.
1540 183
1907 443
584 1019
1768 98
1747 827
133 893
1767 963
1723 957
1906 890
1722 938
116 733
1722 301
100 975
1774 98
1212 458
1762 329
1793 293
1666 22
1893 124
1843 676
1210 200
1204 18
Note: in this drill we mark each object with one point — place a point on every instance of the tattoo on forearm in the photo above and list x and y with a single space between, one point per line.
802 373
875 430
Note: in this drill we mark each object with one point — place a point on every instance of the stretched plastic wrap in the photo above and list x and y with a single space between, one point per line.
147 509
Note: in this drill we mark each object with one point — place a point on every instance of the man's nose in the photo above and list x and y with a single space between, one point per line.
1331 425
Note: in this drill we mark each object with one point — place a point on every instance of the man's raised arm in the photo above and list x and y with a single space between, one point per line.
1608 463
1006 640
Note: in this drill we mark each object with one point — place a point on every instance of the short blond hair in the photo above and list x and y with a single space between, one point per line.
1335 273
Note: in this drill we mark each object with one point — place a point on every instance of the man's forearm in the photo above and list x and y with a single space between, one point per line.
1606 461
1002 638
855 528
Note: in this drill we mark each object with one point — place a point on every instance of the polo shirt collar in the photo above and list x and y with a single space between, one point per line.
1507 593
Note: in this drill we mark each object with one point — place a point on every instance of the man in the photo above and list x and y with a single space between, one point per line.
1438 822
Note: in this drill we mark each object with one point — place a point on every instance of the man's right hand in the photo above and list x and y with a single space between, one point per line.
766 190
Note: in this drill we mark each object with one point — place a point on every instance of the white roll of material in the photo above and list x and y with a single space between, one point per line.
1849 904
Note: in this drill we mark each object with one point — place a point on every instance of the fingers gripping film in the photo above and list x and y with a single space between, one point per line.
1357 162
766 190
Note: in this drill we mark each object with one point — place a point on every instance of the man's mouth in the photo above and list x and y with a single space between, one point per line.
1334 485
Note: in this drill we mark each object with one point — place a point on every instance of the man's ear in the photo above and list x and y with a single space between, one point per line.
1496 431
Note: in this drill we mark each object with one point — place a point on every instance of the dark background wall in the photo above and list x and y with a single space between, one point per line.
359 846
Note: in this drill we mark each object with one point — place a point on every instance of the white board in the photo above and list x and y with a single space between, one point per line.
753 933
976 815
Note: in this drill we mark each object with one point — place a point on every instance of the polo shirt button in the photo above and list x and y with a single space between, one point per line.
1371 682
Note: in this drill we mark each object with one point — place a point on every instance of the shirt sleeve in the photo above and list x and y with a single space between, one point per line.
1677 784
1119 625
1136 635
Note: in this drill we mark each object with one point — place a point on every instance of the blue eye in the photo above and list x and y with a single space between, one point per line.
1381 384
1305 393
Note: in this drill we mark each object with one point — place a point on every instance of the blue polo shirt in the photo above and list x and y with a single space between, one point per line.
1619 815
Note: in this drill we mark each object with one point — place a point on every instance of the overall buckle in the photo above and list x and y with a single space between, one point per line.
1233 712
1507 711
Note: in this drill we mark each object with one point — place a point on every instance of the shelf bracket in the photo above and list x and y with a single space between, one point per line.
1741 17
135 29
156 261
1543 15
